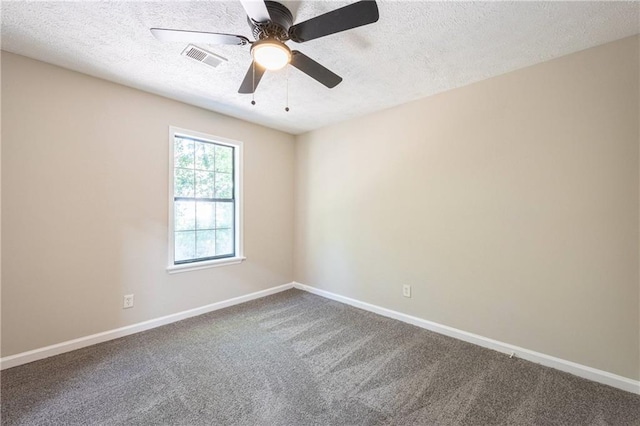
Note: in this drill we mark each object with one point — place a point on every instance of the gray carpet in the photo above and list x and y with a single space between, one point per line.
299 359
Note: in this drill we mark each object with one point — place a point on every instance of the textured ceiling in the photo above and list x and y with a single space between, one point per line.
416 49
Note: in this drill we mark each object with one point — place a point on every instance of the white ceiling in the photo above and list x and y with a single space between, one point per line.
416 49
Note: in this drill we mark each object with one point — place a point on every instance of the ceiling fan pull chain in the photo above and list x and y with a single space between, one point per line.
287 105
253 84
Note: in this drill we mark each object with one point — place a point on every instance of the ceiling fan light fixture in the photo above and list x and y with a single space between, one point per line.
271 54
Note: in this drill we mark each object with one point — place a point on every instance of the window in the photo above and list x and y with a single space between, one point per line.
205 210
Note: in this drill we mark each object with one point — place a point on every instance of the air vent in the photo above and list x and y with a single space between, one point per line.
202 56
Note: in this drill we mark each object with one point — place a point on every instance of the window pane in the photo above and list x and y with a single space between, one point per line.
184 183
224 185
206 215
185 215
224 242
205 154
185 245
203 229
224 215
224 159
205 246
205 182
183 153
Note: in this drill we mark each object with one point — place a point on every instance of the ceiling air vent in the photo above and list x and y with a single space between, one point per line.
202 56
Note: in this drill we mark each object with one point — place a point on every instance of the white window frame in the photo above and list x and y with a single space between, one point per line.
239 257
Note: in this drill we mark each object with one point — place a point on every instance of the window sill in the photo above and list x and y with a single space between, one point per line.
185 267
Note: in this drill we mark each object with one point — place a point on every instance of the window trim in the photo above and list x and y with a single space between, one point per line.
237 168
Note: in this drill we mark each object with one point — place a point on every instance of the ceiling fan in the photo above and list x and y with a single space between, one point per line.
272 25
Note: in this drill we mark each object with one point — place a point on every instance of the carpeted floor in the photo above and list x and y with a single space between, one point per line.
299 359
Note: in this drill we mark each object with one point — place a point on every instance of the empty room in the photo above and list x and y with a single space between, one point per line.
252 212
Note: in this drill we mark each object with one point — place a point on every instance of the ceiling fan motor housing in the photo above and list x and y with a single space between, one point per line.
277 27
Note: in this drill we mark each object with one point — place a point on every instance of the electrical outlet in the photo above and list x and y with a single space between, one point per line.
128 301
406 290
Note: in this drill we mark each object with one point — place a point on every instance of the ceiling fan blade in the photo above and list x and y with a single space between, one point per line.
314 69
164 34
250 82
256 10
348 17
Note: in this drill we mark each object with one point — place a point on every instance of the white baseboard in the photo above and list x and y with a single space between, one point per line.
589 373
579 370
70 345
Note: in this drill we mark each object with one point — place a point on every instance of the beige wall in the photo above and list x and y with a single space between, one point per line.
84 199
511 206
0 207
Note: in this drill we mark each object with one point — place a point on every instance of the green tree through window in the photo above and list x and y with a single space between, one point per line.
203 200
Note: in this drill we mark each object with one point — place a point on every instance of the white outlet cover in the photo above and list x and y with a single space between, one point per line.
406 290
128 301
